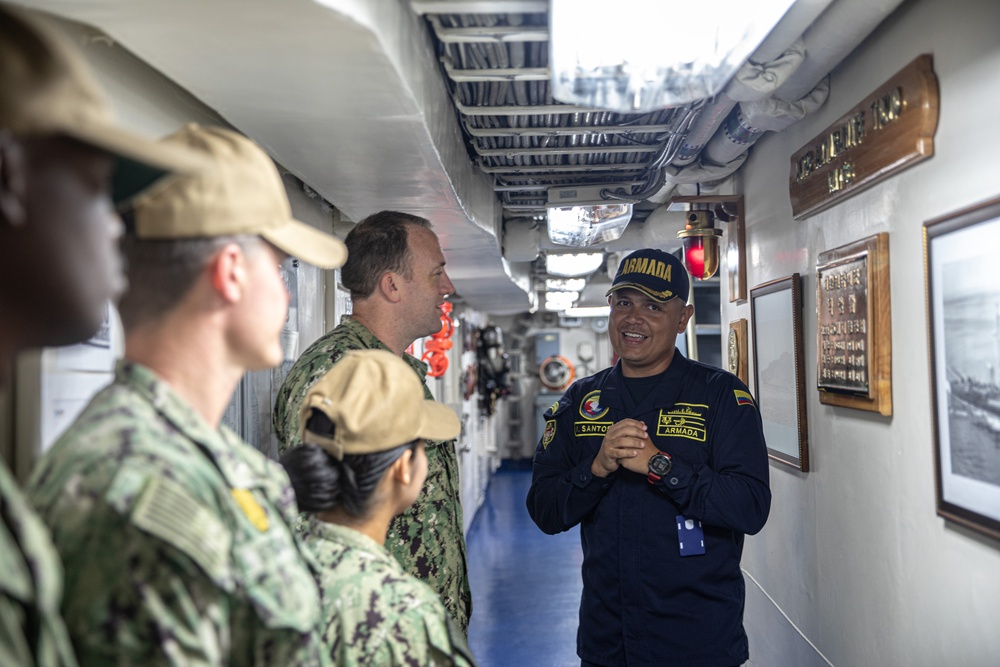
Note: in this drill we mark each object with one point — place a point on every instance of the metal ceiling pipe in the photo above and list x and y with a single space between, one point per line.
748 122
836 33
790 28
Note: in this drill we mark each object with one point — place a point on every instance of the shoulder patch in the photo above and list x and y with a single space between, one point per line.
742 397
590 406
166 510
549 433
557 408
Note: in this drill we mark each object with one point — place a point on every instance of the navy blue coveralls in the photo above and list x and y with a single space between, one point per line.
643 603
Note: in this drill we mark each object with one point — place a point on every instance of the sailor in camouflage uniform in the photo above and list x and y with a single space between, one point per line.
58 149
395 272
178 537
363 461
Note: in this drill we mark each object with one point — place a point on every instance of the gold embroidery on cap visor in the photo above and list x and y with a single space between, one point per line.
665 295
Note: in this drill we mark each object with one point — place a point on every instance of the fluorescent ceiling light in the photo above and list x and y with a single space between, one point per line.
582 226
571 266
565 284
560 300
588 311
641 55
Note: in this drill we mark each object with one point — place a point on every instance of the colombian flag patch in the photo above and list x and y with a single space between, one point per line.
742 397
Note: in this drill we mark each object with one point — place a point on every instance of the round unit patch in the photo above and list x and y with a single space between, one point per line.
590 406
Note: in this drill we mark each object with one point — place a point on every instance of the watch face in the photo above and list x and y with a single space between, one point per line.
659 464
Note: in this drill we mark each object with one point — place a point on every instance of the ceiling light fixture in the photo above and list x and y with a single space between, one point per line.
560 300
643 55
588 311
586 215
573 265
565 284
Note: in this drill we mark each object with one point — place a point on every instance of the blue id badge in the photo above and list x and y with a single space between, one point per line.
690 536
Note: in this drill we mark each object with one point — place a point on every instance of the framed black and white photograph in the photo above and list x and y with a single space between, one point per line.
963 321
779 371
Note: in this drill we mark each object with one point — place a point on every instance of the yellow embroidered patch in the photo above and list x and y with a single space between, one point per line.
742 398
582 429
684 420
251 508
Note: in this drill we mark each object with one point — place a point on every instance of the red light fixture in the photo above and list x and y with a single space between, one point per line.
700 240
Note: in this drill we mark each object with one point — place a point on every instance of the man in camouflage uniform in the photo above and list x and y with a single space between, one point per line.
58 149
176 536
395 273
369 414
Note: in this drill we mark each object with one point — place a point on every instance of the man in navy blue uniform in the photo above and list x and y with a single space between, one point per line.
662 462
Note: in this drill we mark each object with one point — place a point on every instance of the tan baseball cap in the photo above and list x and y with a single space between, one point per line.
375 402
46 88
241 194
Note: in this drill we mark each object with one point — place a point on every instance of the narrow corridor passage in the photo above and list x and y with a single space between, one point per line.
525 585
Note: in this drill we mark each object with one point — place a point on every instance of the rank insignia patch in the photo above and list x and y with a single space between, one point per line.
257 515
742 397
549 433
590 406
684 420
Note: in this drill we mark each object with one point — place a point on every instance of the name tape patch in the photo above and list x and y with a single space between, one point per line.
584 429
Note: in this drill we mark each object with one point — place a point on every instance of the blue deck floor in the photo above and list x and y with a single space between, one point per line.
525 584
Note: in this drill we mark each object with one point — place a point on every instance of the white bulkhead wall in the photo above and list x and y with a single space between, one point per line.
853 554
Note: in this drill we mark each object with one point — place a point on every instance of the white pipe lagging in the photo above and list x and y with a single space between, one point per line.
795 88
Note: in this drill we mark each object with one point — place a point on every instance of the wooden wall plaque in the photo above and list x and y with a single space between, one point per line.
854 328
736 346
890 130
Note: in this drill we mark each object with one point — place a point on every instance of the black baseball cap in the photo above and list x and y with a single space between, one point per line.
657 274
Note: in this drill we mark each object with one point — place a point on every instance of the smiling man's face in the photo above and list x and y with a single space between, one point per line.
643 331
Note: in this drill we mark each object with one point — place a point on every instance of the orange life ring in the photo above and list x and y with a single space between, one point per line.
556 372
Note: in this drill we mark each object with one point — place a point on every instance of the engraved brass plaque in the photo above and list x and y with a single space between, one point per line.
854 327
890 130
844 329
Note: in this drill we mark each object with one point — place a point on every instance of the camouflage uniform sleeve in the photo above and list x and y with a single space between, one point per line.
156 585
32 633
307 370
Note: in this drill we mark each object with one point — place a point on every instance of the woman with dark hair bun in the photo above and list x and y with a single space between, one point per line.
362 462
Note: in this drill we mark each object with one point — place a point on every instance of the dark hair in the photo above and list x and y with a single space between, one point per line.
321 482
377 244
161 271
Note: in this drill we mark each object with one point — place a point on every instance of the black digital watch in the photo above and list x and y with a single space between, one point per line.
659 465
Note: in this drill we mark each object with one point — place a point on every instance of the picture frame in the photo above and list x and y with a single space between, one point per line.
779 369
962 284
